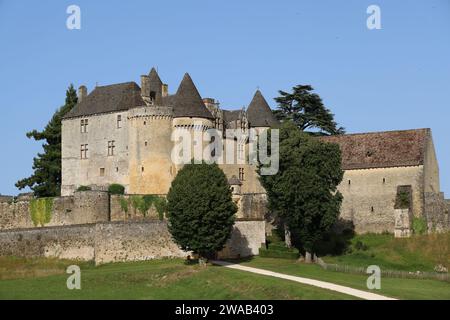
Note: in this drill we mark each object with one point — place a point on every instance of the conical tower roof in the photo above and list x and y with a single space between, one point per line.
154 78
259 113
188 102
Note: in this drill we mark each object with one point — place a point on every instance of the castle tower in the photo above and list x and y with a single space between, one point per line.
150 146
191 114
259 114
152 88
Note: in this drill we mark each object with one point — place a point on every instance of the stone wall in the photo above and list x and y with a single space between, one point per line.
118 241
134 241
99 168
436 211
81 208
246 239
252 206
369 196
68 242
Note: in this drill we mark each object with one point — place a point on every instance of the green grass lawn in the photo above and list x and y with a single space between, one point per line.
393 287
418 253
157 279
173 279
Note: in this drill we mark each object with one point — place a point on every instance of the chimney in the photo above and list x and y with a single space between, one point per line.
210 103
165 90
145 86
82 93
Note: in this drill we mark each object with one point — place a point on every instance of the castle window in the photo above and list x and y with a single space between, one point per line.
117 169
119 121
384 180
84 125
145 123
372 209
142 169
145 143
349 182
152 95
102 172
241 151
111 147
241 174
83 151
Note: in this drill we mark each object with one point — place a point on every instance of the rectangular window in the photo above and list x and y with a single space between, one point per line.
119 121
102 172
241 174
84 125
241 151
111 147
84 151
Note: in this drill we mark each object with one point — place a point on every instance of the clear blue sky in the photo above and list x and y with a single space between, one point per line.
394 78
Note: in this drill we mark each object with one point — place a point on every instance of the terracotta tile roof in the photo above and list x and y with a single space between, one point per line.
105 99
382 149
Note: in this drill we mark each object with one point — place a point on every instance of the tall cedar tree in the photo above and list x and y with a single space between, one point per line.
46 179
307 111
200 209
303 194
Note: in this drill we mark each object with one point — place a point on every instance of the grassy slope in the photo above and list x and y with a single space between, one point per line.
421 253
393 287
158 279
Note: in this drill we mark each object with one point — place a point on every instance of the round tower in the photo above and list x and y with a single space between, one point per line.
150 167
191 117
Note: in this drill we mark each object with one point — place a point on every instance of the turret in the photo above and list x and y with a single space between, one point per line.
259 114
152 88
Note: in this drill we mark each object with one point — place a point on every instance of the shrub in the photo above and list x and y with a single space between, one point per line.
419 226
84 188
116 189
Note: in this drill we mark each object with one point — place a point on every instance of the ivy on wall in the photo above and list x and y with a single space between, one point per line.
144 203
41 211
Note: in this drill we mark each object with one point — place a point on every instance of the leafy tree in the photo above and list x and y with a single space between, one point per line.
303 194
46 179
306 110
200 209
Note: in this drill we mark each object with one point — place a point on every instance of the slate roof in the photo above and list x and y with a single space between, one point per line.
259 113
382 149
231 115
154 78
188 102
111 98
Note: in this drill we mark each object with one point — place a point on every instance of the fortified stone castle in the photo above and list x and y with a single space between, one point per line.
122 133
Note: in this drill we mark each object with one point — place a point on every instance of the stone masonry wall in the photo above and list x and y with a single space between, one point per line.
436 211
246 239
134 241
118 241
369 196
69 242
81 208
